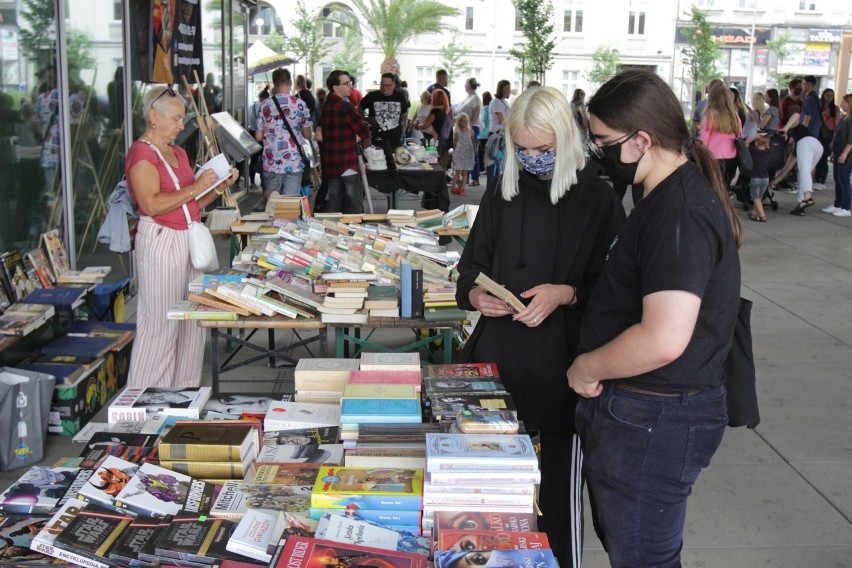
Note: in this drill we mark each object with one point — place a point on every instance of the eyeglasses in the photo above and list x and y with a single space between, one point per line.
168 90
346 84
598 150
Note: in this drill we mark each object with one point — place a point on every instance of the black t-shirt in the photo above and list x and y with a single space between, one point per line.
384 113
677 238
799 131
760 162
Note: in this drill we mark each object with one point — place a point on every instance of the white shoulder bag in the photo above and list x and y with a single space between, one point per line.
202 249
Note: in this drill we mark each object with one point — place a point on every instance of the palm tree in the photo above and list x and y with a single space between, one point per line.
391 23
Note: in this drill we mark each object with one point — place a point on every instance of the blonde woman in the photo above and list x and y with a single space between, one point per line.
720 125
543 231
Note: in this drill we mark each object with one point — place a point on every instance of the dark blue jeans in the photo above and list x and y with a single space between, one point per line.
842 184
642 455
345 195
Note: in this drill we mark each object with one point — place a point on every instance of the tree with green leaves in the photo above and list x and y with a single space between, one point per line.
351 57
392 23
454 58
701 52
275 41
606 62
307 44
535 19
38 37
782 48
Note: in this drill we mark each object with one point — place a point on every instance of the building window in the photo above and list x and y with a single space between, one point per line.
569 83
517 22
468 18
117 10
425 77
707 4
747 4
636 23
573 21
337 12
807 6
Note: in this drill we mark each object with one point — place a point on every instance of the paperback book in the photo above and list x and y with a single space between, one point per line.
286 473
485 521
366 488
17 532
302 552
139 403
383 411
331 454
289 415
538 558
480 452
237 497
320 435
349 530
448 406
455 539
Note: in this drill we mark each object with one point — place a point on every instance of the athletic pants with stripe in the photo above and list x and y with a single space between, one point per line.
166 353
561 496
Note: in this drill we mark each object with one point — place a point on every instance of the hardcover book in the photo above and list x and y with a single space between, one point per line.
391 410
448 406
55 252
40 490
126 549
209 442
480 452
93 531
366 488
200 497
321 435
454 539
79 346
92 457
147 549
538 558
462 370
64 297
257 534
107 481
45 541
210 469
20 325
155 491
13 275
288 415
197 538
381 377
286 473
302 453
138 403
237 497
17 532
385 518
390 361
302 552
485 521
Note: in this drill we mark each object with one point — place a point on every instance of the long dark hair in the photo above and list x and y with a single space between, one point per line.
639 100
832 106
773 98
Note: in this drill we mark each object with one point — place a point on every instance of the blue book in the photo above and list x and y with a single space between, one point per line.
541 558
371 410
405 289
64 374
79 346
387 518
60 297
85 326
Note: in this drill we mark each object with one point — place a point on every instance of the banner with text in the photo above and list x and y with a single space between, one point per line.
175 44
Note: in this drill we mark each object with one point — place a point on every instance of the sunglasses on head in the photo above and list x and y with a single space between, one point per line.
168 90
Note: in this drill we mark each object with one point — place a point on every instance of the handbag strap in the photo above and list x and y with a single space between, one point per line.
305 159
174 178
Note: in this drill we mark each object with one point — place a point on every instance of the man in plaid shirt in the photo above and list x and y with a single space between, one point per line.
340 123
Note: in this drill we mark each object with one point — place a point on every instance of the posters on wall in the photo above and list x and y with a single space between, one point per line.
174 48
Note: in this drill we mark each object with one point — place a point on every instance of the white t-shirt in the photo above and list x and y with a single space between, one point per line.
470 107
501 106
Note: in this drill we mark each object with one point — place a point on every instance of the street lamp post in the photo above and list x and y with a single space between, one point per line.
259 23
749 79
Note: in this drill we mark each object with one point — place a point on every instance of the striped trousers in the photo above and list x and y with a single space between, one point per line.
166 353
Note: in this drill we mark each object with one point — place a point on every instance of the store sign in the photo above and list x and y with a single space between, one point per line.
730 36
824 36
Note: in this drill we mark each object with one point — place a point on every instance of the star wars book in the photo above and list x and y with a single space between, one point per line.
45 541
197 538
237 497
155 491
40 490
126 549
107 482
93 531
16 535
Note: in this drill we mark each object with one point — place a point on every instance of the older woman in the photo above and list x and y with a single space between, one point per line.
543 232
166 353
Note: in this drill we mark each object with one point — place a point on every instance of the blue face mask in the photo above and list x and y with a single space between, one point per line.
540 165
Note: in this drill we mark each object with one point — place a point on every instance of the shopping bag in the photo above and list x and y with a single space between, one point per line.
25 398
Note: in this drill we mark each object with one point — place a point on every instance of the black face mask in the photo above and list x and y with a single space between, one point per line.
618 171
797 92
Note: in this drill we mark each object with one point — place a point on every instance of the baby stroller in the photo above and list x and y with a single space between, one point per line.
778 156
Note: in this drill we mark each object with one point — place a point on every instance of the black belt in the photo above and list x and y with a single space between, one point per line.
631 388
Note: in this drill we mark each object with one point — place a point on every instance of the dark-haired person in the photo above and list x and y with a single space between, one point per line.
829 114
771 119
543 230
386 111
498 110
658 326
841 146
792 103
442 79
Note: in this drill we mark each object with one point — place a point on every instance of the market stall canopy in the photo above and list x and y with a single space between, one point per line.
261 59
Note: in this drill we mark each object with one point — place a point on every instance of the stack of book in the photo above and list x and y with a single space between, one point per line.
387 445
23 319
137 404
402 217
465 390
380 404
439 303
212 450
322 379
382 301
284 206
344 302
429 218
205 307
480 472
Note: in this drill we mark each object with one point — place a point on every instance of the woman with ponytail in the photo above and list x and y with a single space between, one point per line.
658 326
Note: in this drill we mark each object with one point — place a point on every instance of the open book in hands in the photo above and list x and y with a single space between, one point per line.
219 164
499 291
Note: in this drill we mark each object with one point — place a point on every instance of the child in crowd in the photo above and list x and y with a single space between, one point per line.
760 154
464 146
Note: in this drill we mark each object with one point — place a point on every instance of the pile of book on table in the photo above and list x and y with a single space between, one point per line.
337 272
186 477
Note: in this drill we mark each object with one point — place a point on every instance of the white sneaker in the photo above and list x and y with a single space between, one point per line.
791 190
819 186
830 209
842 213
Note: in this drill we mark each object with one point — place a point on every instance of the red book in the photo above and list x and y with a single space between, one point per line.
303 552
386 378
454 539
486 521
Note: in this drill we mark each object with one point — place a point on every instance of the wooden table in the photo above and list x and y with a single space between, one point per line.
226 329
439 331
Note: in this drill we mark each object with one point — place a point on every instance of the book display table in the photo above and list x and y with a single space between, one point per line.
226 330
430 182
439 332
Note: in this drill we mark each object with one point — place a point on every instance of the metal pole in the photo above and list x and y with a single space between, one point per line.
749 79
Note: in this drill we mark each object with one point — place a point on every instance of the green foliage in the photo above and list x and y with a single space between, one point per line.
307 45
37 37
782 48
351 57
536 23
454 58
391 23
275 41
605 64
702 50
79 46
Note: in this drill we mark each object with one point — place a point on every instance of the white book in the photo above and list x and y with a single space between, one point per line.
480 452
476 500
137 404
45 541
107 481
479 478
316 374
220 166
235 292
257 534
390 361
290 415
347 530
155 491
301 453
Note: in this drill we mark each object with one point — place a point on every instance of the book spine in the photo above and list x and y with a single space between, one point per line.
435 499
206 470
247 550
61 553
405 289
200 452
126 414
474 466
417 293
